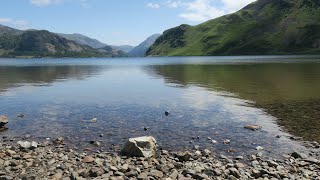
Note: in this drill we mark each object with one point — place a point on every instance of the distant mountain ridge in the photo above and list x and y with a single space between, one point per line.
141 49
84 40
9 30
42 43
264 27
125 48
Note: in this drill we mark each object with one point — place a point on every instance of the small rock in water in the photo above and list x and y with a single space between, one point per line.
27 136
3 120
59 140
252 127
95 143
278 136
227 141
239 158
94 120
297 155
167 113
259 148
101 135
259 154
209 138
214 141
145 128
20 116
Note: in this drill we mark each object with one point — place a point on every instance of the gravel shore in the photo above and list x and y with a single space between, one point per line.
56 161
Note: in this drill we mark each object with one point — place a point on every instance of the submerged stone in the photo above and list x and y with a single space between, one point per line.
3 120
252 127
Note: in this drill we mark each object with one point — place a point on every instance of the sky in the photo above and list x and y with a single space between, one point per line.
114 22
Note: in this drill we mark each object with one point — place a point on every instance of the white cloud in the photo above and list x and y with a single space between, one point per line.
16 23
44 2
202 10
173 3
5 20
232 5
153 5
84 3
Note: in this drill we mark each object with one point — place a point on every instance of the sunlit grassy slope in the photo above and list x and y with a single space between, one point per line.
263 27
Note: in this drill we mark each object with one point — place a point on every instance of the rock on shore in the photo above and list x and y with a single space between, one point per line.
3 121
140 147
59 162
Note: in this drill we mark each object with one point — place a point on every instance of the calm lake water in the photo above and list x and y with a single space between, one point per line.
206 96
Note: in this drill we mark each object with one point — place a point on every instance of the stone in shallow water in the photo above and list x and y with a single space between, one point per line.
253 127
59 140
141 147
3 120
297 155
259 148
227 141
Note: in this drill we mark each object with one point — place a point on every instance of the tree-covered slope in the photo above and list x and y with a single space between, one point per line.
263 27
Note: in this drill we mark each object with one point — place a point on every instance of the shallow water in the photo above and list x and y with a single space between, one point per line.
206 96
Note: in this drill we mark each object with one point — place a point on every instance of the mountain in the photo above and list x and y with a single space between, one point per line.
142 48
115 52
84 40
42 43
263 27
9 30
125 48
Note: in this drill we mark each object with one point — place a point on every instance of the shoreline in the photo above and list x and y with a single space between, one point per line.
54 160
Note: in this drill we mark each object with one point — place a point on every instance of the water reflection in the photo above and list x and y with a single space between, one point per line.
16 76
290 92
126 97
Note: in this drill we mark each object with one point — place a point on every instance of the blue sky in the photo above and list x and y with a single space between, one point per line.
115 22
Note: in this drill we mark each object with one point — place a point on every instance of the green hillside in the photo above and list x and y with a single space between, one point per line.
263 27
35 43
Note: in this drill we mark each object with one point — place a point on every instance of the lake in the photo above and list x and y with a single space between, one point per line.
206 96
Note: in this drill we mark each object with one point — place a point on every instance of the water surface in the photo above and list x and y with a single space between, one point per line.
206 96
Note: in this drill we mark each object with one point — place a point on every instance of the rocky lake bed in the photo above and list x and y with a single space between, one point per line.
141 158
247 118
52 159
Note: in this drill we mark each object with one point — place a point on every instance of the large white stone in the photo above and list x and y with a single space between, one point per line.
27 144
145 146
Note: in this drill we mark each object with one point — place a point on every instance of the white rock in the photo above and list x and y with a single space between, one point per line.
141 147
27 144
259 148
34 145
